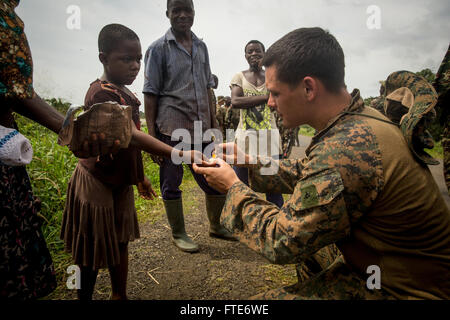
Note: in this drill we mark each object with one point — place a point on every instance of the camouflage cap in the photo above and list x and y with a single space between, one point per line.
398 103
421 109
110 118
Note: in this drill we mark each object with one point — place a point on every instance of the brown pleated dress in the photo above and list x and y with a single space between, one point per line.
100 212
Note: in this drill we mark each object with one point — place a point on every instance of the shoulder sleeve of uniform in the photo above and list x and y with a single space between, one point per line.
275 176
351 148
317 190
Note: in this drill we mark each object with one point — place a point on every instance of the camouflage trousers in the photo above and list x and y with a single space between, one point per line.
325 276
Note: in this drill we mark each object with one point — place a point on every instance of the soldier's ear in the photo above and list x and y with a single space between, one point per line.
310 88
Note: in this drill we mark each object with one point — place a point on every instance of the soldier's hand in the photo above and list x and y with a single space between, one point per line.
230 153
218 174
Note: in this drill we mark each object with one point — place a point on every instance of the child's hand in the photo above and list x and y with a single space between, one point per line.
157 159
145 189
230 153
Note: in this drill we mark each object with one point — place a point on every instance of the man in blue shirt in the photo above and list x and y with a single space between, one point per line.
177 79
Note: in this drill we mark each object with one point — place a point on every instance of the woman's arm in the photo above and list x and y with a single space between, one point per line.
239 101
39 111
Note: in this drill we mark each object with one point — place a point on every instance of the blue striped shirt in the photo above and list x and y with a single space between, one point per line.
181 81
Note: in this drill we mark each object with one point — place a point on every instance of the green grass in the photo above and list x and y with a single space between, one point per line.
50 172
306 130
437 152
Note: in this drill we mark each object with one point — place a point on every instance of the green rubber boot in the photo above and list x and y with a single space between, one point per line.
214 206
174 211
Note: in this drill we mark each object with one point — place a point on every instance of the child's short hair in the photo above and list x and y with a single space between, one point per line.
112 34
254 41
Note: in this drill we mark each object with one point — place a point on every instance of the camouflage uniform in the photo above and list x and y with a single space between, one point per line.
220 117
232 118
378 104
410 101
212 105
379 207
442 86
289 137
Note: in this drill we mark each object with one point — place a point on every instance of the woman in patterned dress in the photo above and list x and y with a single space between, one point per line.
26 269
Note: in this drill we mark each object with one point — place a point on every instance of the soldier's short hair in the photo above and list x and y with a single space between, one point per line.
308 52
112 34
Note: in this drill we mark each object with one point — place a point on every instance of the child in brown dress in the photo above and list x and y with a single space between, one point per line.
100 217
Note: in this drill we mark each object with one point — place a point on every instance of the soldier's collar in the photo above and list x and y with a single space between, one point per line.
356 105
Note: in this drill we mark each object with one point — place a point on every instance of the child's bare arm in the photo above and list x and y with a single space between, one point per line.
155 147
149 144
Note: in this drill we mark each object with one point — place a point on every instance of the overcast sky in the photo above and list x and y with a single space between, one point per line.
414 35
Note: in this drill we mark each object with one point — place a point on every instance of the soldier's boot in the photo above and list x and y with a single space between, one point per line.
174 211
214 206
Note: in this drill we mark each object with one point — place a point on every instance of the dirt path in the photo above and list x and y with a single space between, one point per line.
221 270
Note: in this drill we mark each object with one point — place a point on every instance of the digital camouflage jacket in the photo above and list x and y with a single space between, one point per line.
359 187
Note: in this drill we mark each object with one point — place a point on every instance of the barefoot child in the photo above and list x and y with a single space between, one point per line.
100 218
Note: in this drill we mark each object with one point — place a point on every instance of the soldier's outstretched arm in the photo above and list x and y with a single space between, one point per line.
275 176
314 217
265 173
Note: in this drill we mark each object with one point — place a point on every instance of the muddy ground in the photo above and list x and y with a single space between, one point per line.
222 270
